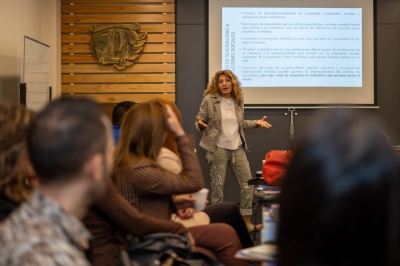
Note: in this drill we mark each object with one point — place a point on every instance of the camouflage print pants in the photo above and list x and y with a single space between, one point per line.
217 164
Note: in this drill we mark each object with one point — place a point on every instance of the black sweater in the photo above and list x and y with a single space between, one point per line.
6 207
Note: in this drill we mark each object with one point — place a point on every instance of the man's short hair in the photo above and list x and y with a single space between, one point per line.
119 111
64 135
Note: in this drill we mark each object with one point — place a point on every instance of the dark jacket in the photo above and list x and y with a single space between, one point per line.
112 218
6 207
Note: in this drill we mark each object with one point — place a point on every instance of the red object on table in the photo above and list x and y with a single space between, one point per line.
274 168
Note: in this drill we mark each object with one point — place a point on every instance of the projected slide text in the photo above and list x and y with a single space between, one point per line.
293 47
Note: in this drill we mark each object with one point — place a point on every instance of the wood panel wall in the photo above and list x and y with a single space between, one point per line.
151 76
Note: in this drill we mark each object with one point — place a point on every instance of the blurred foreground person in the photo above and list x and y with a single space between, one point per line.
340 197
72 168
15 166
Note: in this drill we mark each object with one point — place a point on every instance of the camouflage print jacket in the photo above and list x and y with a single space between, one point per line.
40 232
210 113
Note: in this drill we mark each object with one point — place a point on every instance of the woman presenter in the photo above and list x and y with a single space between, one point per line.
221 118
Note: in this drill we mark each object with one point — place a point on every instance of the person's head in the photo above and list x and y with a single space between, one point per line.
225 82
15 166
340 196
119 111
143 132
170 142
69 143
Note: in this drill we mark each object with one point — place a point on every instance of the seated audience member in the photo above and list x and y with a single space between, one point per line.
112 217
340 196
72 169
15 166
117 115
149 187
223 212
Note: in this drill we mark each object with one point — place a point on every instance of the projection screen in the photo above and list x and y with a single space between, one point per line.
296 53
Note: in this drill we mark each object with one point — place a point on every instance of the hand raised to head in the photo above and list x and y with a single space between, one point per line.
173 122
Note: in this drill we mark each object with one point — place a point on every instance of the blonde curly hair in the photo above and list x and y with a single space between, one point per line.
237 92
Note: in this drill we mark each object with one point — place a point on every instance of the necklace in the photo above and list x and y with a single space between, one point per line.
227 104
229 101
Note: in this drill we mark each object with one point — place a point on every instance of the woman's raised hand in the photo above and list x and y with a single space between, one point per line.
200 123
173 122
263 123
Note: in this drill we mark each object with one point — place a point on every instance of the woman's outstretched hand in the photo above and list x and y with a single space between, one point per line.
173 122
263 123
200 123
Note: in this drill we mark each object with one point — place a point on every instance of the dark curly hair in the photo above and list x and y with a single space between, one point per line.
119 111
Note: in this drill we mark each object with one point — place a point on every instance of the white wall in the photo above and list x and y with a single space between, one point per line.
38 19
52 37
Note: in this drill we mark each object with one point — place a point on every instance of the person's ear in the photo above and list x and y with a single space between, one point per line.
26 171
95 167
31 181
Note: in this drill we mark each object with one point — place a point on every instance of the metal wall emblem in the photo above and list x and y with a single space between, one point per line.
117 44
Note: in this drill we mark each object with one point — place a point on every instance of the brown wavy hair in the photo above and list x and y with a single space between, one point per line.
15 166
142 135
237 92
